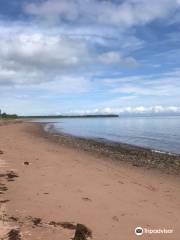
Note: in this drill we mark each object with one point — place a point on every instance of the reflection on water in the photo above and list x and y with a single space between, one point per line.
160 133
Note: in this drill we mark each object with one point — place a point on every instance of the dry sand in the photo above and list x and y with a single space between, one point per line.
63 184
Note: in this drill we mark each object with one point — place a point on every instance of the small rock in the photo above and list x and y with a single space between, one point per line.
36 221
26 163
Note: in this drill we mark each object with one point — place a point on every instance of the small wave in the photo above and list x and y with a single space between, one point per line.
48 127
163 152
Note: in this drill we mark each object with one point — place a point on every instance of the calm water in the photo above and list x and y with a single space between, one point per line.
158 133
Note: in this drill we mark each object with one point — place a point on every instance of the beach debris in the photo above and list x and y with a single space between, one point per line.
3 188
137 164
82 232
14 234
11 175
4 201
14 219
26 163
36 221
66 225
53 223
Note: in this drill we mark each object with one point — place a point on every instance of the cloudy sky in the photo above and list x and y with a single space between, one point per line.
89 56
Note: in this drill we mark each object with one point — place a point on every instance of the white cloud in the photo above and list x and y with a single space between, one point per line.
116 58
86 41
139 110
124 13
42 50
110 57
157 85
11 77
67 84
31 56
130 61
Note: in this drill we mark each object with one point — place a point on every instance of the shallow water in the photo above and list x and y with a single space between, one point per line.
157 133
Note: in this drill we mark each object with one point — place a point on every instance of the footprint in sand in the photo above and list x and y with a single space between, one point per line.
155 204
79 190
144 200
139 184
115 218
151 188
120 182
167 191
106 185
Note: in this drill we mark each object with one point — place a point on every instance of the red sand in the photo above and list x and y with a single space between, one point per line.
68 185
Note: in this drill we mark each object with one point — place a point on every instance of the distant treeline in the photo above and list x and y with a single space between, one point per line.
74 116
8 116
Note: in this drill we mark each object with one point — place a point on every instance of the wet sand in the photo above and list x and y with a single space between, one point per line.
48 187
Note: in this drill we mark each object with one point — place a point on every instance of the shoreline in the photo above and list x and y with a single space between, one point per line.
48 189
106 141
136 155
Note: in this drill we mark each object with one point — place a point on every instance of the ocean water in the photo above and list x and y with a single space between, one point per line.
156 133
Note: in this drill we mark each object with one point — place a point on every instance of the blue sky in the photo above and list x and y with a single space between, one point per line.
89 56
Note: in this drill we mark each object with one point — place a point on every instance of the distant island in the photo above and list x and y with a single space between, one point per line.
72 116
4 115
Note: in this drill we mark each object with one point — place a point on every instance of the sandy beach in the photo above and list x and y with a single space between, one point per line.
47 188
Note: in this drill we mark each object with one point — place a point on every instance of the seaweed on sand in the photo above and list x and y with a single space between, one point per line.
14 234
82 232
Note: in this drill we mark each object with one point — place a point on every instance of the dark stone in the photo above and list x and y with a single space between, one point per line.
26 163
36 221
